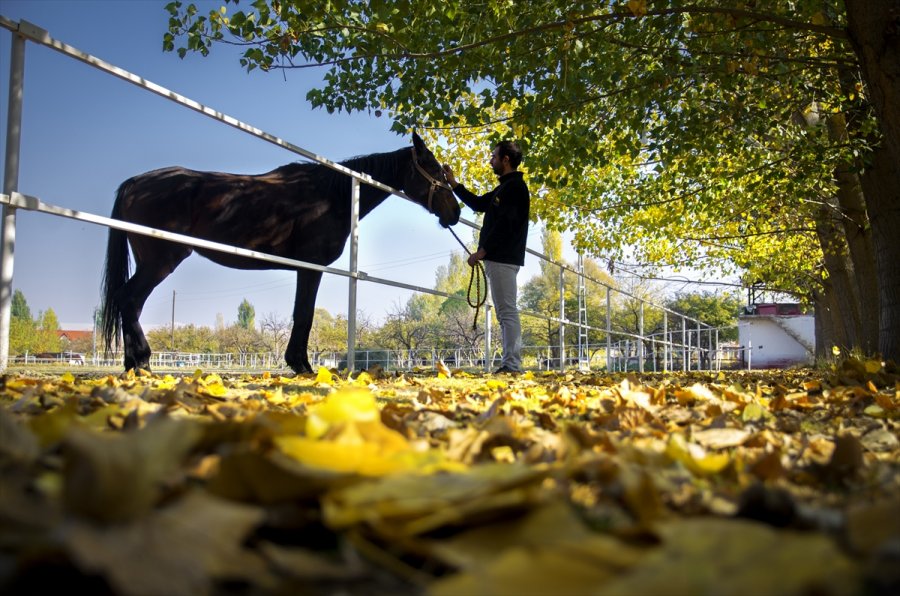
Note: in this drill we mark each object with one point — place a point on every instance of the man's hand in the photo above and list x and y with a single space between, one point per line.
451 179
476 256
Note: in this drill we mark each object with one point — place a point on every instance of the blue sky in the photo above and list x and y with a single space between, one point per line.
84 132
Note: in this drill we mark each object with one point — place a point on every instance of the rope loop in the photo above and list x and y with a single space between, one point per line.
476 276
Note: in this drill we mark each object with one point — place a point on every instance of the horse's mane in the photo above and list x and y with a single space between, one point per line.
380 166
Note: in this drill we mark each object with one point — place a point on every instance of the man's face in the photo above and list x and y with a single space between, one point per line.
497 162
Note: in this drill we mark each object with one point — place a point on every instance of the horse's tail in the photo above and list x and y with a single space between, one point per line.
116 273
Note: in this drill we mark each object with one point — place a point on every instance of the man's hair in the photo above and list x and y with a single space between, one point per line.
511 150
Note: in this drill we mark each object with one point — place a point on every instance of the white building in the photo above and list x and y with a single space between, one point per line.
776 336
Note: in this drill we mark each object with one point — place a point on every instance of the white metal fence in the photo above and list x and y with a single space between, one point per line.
672 347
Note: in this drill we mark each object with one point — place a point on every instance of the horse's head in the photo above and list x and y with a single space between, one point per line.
427 185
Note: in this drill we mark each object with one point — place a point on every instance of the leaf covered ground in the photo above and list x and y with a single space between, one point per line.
700 483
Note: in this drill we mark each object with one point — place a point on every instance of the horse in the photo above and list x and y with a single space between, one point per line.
300 211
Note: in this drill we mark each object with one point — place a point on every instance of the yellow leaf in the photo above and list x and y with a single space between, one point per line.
51 426
637 7
872 366
167 382
754 412
212 379
352 404
694 457
411 504
67 378
324 376
874 411
363 380
216 390
340 457
443 371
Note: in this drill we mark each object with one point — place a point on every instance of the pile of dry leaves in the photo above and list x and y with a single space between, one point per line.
728 483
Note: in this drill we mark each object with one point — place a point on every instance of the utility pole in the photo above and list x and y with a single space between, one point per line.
173 320
94 334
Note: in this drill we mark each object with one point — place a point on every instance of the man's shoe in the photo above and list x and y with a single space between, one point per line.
505 370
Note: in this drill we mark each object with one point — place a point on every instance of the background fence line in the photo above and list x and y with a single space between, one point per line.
12 200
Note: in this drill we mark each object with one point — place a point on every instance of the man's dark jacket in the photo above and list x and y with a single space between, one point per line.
504 231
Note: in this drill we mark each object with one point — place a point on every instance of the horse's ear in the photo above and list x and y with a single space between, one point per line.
418 143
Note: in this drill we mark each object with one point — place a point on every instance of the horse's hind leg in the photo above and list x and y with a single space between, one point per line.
304 308
131 301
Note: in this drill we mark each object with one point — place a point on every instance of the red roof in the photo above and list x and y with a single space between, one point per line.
74 334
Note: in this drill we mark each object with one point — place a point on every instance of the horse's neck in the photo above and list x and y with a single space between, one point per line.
371 197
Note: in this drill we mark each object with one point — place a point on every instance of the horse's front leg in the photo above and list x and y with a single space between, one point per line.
304 308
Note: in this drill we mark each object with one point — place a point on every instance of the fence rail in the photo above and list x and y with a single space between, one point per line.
540 358
12 200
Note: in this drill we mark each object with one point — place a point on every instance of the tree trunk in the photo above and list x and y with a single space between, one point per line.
840 293
881 185
874 30
855 225
827 334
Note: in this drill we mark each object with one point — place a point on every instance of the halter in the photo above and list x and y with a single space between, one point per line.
435 183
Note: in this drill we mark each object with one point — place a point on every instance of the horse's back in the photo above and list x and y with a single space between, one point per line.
287 211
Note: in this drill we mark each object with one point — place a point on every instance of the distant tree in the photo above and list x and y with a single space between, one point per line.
540 295
22 335
241 340
22 327
401 330
246 315
188 338
20 308
46 338
716 309
627 316
329 333
276 332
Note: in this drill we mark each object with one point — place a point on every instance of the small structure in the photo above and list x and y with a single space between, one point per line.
776 335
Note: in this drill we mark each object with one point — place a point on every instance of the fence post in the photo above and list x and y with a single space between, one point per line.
10 184
562 317
640 343
584 351
718 355
354 269
699 349
665 341
608 331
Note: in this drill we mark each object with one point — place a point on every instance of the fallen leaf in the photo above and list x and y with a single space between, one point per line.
721 556
178 550
116 478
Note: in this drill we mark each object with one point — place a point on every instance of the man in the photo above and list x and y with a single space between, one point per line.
501 244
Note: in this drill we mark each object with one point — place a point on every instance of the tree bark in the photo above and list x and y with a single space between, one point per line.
827 334
874 31
851 209
839 293
881 186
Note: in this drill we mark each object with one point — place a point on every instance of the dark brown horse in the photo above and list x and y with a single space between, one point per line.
298 211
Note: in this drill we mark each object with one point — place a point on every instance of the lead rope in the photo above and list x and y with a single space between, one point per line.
476 275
